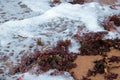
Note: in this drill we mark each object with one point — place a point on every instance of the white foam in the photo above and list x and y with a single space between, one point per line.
57 23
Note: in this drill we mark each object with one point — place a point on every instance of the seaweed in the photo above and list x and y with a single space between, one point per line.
111 22
57 58
60 58
111 76
114 59
109 25
102 67
99 68
85 78
77 2
93 44
116 43
115 19
56 1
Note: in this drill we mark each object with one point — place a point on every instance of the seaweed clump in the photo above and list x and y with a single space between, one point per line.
57 58
92 43
103 67
116 44
85 78
77 2
111 23
56 1
99 68
114 59
115 19
111 76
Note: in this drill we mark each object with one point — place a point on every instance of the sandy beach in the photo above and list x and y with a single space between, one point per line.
84 63
110 2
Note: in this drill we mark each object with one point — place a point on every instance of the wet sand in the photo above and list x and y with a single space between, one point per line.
110 2
84 63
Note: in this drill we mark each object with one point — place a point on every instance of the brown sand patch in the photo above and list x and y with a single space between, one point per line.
110 2
84 63
107 1
113 52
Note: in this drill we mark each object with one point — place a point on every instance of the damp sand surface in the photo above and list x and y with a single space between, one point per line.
84 63
109 2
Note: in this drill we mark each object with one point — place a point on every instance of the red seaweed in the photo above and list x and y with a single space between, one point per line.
57 58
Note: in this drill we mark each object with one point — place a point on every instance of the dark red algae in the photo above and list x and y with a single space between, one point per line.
58 58
114 59
61 59
115 19
102 67
85 78
93 44
111 23
111 76
77 2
